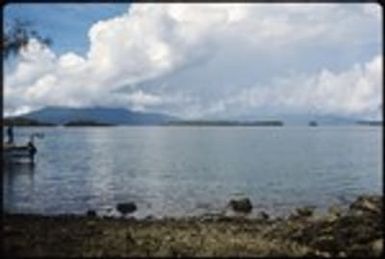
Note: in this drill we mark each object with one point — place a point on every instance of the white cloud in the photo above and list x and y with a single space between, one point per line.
356 91
35 61
202 58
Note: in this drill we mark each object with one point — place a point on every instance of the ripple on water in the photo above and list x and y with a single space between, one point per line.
179 171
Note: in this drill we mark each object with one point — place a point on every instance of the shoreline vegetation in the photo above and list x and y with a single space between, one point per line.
25 122
354 231
223 123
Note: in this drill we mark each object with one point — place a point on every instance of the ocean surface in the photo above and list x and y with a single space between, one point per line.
187 171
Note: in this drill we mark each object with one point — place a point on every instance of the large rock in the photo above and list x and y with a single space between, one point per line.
127 207
241 205
371 204
91 213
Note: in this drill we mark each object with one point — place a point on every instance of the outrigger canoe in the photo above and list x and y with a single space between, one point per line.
13 153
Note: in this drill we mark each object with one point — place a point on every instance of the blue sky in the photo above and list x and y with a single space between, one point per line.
66 24
202 60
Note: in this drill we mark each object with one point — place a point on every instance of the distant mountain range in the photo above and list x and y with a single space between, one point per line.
102 116
95 115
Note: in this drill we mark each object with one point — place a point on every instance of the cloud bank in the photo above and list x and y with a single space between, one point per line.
207 60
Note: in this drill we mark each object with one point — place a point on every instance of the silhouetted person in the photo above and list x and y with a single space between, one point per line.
10 134
32 150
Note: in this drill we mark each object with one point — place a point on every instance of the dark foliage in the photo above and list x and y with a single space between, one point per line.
16 35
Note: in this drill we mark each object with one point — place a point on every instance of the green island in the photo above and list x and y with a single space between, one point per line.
370 123
25 122
353 231
223 123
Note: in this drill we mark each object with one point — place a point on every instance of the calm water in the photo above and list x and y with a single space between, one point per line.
175 171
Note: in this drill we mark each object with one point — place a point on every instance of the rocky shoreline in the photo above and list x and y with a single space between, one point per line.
355 231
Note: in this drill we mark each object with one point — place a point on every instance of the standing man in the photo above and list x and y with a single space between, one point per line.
10 134
32 150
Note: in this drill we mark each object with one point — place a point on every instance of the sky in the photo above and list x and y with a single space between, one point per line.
233 60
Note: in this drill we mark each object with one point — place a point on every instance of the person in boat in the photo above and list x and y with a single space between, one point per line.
10 134
32 150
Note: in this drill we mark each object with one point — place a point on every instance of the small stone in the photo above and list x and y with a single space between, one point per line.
322 254
335 211
378 247
150 217
331 218
263 215
125 208
241 205
305 211
90 223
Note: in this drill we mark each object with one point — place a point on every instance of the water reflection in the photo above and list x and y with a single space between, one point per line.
19 167
18 184
181 171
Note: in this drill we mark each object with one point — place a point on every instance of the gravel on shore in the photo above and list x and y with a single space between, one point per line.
355 231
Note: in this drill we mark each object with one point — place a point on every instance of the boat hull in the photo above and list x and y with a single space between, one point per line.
17 154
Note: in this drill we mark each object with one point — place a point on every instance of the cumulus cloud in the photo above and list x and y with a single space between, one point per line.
351 92
203 59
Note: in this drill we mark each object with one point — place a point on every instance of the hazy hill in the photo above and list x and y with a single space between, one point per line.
117 116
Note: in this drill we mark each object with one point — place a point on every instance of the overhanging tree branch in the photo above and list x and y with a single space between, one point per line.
16 35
